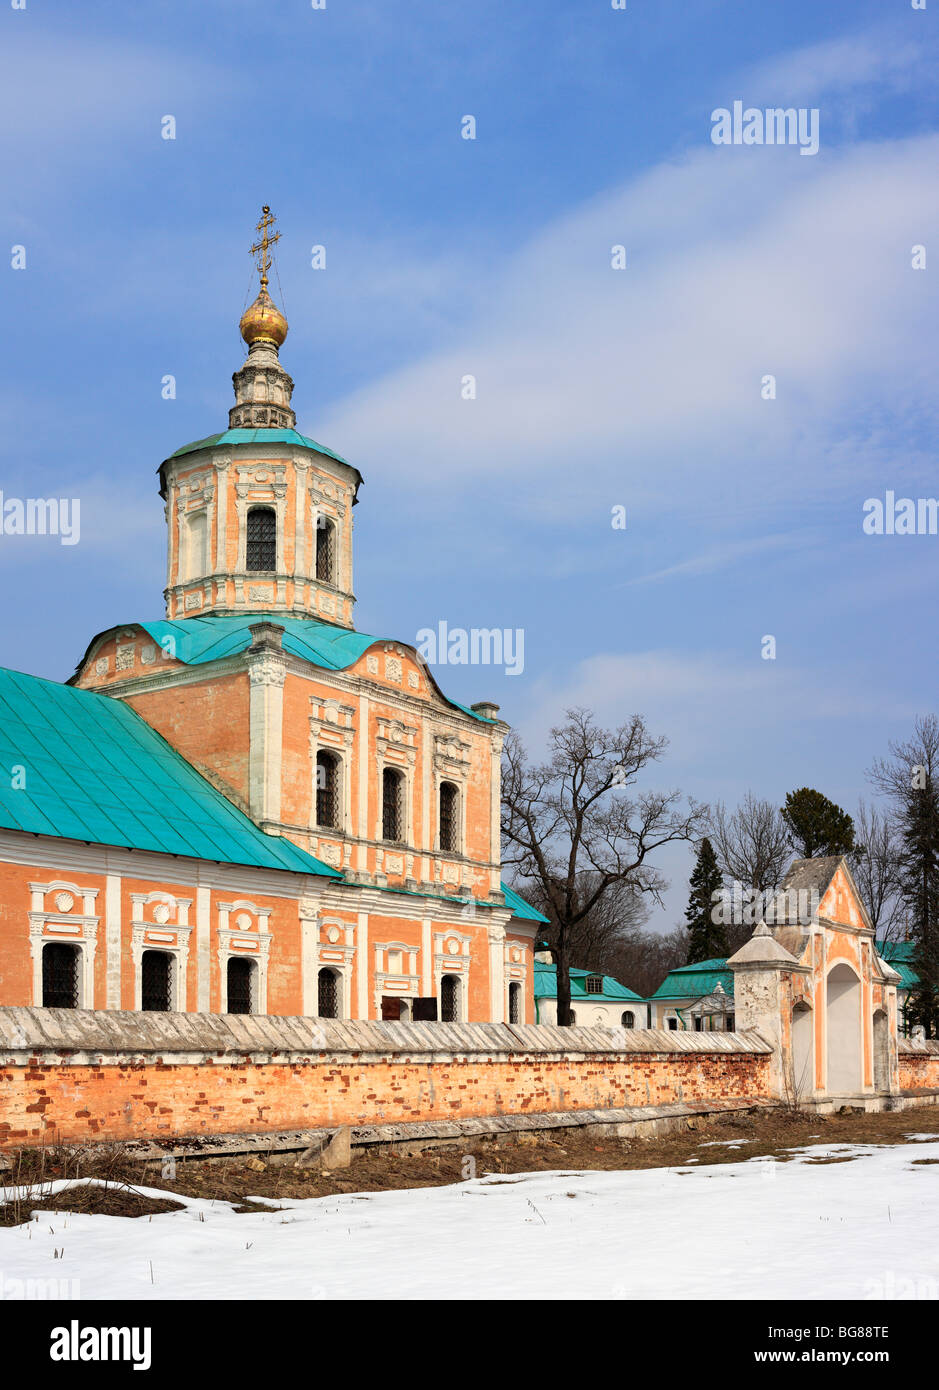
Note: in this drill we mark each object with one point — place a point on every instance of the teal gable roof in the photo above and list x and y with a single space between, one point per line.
899 955
95 771
546 986
196 640
259 437
520 908
694 981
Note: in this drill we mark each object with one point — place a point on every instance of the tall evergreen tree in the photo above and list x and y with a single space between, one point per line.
707 939
919 893
816 825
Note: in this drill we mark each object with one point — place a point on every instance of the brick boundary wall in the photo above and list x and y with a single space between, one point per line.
70 1075
919 1065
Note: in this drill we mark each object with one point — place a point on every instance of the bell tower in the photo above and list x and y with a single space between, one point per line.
259 517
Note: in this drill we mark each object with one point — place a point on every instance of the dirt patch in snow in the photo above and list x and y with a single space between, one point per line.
116 1200
778 1134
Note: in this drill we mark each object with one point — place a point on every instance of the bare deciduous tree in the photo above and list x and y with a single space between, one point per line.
752 843
894 776
576 825
875 865
594 942
642 960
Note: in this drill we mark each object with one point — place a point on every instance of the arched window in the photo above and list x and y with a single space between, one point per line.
328 789
155 981
325 550
60 966
240 978
515 1003
573 1018
449 829
628 1020
392 805
449 999
261 550
328 994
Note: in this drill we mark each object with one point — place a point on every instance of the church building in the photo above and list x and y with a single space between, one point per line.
248 805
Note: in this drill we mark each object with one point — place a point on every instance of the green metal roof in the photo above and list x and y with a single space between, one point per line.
694 981
95 771
894 950
520 908
259 437
899 956
196 640
546 985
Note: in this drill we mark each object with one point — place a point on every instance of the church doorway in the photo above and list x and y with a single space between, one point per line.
844 1031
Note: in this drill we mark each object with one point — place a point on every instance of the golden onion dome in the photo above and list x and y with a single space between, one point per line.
262 321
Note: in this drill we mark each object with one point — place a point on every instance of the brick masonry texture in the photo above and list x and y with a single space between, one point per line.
162 1076
919 1065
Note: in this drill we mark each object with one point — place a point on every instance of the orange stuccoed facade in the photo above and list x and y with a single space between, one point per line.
340 743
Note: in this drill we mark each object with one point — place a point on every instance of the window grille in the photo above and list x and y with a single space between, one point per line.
328 994
629 1020
261 556
327 790
325 550
448 816
155 981
449 999
594 984
60 976
240 980
392 820
515 1003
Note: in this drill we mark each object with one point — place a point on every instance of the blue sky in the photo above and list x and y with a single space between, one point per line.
595 387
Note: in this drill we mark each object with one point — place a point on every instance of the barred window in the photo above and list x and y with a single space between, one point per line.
155 978
449 999
392 805
328 789
449 802
628 1020
262 540
60 964
240 981
325 550
594 984
327 994
515 1003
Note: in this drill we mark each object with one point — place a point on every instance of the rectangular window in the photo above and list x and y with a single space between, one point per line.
60 963
155 981
392 820
261 544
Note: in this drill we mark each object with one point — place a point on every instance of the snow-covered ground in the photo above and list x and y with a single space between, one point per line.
866 1228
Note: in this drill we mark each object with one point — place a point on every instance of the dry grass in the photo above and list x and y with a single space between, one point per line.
774 1133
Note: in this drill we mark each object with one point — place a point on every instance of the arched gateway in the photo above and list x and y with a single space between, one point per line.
813 984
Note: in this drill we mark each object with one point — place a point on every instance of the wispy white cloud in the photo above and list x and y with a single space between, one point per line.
722 557
740 264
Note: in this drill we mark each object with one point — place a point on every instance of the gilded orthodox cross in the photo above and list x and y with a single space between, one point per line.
261 249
